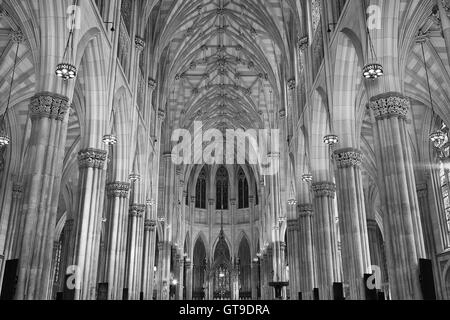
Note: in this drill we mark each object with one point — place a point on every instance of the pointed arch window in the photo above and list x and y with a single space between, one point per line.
222 183
200 191
243 190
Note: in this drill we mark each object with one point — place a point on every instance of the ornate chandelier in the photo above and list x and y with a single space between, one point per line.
331 139
66 70
308 177
109 140
373 70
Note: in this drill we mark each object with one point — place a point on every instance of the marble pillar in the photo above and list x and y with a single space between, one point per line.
188 266
136 224
91 185
149 258
325 238
294 257
402 225
353 221
305 251
14 222
42 179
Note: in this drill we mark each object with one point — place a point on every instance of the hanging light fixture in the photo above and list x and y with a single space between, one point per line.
436 137
331 140
66 70
135 177
308 177
373 70
292 202
109 140
5 140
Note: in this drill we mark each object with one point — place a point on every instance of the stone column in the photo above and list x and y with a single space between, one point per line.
180 278
14 222
117 193
353 221
149 258
91 185
325 238
403 228
48 113
263 277
294 259
270 274
188 266
305 250
137 212
254 275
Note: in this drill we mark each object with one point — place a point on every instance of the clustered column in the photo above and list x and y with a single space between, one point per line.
353 221
305 250
42 183
325 238
134 252
92 185
116 243
402 225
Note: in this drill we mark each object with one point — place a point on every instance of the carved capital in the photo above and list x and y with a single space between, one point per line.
152 84
48 105
324 189
137 210
92 158
161 115
292 225
150 225
346 158
302 42
17 191
305 210
292 84
118 189
139 43
390 105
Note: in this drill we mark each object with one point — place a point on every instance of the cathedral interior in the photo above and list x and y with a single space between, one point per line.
350 199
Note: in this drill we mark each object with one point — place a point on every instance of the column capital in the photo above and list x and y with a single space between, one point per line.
117 189
302 42
324 189
292 225
347 158
139 43
389 105
152 84
233 202
69 224
212 202
292 84
149 225
161 115
48 105
92 158
17 190
372 224
305 210
137 210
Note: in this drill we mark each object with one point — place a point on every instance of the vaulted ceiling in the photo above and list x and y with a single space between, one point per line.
224 60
